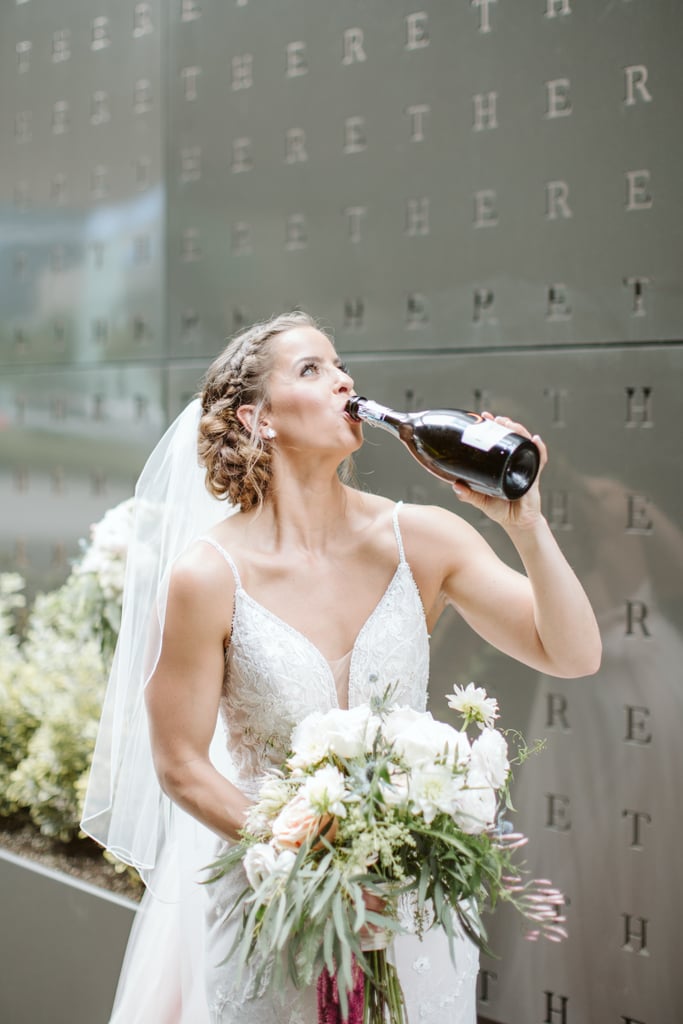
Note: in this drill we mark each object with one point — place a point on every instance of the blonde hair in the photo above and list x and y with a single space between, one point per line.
238 460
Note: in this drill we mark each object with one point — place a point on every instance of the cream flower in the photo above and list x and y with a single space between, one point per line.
434 790
474 705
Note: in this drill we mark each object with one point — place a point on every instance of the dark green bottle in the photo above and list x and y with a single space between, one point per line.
457 445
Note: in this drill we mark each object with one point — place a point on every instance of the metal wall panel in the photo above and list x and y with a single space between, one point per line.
81 247
73 443
599 803
456 175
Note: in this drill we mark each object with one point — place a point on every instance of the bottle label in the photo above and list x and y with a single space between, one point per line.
484 435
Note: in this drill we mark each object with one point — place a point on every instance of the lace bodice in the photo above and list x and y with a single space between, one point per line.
275 676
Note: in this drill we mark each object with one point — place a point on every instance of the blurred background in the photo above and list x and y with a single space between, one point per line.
482 201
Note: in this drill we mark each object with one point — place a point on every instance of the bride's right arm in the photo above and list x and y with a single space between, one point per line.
183 694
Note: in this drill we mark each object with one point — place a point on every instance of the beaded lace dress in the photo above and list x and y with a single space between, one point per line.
274 677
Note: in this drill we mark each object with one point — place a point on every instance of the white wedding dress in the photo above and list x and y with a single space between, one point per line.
274 677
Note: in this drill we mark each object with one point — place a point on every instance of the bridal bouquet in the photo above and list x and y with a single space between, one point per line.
381 821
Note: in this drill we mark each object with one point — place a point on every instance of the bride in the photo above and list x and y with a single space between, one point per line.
313 596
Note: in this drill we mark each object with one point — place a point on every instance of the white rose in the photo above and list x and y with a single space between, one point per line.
284 862
395 792
419 739
309 745
490 757
259 863
325 791
476 805
348 733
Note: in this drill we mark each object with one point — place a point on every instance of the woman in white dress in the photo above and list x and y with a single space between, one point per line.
316 595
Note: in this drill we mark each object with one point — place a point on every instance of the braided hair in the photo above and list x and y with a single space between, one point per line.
238 460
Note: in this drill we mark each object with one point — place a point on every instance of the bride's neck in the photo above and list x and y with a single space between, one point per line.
306 512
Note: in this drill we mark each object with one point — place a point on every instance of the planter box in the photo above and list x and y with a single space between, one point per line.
61 945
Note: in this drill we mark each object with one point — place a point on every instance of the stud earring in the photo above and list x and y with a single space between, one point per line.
270 433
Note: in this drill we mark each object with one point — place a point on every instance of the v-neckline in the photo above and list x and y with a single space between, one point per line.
314 647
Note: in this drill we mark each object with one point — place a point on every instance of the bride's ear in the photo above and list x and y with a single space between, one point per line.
245 414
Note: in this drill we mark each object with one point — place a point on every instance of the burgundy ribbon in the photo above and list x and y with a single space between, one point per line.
329 1007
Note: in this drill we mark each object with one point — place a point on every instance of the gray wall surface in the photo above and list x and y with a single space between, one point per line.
61 946
482 200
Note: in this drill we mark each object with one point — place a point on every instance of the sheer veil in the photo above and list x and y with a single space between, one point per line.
125 809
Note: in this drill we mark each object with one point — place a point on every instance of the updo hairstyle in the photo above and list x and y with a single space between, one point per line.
238 460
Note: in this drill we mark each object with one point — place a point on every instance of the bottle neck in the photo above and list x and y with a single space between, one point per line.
376 415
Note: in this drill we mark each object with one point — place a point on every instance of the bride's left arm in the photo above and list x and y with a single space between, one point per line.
542 616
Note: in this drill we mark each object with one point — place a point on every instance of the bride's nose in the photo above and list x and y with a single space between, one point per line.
344 381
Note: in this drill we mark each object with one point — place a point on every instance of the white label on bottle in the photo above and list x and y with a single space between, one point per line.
484 435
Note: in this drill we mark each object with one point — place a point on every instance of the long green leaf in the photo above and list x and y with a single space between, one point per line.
325 893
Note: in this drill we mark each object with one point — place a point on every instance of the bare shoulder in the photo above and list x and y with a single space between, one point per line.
201 583
431 524
439 543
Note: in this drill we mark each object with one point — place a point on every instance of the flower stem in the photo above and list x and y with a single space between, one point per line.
384 1002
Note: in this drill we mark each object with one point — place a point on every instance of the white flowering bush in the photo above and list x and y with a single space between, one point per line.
19 708
53 673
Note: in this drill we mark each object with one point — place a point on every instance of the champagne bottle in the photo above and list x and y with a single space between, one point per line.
457 445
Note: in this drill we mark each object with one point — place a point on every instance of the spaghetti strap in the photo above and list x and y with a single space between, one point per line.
397 532
226 556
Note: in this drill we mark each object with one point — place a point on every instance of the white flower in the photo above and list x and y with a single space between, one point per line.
395 792
474 705
325 791
309 745
273 794
259 863
434 790
262 861
347 734
420 739
490 757
105 556
476 805
10 583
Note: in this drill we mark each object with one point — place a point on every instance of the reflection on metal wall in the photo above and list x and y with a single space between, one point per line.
81 272
482 200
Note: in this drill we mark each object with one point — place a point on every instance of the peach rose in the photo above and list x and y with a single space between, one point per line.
297 822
